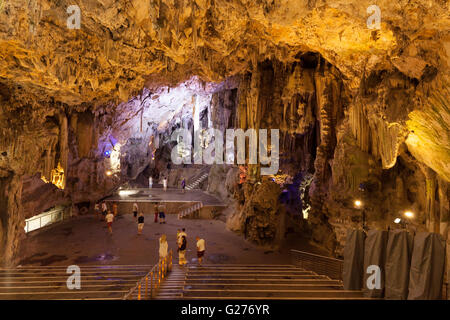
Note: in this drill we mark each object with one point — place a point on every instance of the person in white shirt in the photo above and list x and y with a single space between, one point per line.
135 210
109 220
150 182
163 247
104 209
200 249
165 183
97 210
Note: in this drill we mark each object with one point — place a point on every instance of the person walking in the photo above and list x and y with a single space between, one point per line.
182 245
97 211
140 221
163 247
162 215
150 182
183 184
156 213
104 210
165 183
200 249
135 210
109 220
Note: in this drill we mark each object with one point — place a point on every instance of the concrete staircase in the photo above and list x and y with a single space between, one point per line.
107 282
198 179
251 282
190 211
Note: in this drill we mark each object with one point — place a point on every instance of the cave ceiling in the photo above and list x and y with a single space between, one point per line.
123 46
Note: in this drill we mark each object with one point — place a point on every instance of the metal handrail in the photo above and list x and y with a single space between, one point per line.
156 275
39 217
321 265
193 208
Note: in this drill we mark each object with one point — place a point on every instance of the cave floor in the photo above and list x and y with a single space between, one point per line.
85 241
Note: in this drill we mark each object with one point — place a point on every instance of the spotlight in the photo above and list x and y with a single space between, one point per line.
109 173
125 192
409 214
397 220
358 203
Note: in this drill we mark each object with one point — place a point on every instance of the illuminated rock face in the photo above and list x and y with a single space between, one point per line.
354 105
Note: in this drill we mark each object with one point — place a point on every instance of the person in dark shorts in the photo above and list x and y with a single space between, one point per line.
200 249
140 221
135 211
183 185
162 217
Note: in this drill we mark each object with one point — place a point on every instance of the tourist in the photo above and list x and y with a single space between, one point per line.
163 247
182 245
109 220
178 234
104 209
200 249
150 182
135 210
165 183
162 215
97 210
183 232
140 221
115 209
183 184
156 213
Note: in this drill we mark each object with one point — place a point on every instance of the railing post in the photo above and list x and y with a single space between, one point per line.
139 291
146 287
159 273
151 285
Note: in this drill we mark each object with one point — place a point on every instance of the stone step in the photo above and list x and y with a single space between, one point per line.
268 293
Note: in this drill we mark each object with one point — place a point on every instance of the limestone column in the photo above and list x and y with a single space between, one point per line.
430 209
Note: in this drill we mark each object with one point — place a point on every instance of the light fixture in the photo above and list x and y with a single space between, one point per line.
125 192
409 214
108 173
358 203
397 220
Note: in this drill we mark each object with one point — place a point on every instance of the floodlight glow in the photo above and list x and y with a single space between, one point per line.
125 192
109 173
409 214
358 203
397 220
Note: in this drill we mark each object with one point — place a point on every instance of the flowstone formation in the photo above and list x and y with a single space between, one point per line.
365 111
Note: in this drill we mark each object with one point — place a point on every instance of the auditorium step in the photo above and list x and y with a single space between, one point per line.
251 282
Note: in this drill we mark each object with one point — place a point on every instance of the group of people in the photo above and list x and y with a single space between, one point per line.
150 183
181 247
109 215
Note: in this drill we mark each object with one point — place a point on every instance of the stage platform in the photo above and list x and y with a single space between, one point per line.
173 200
